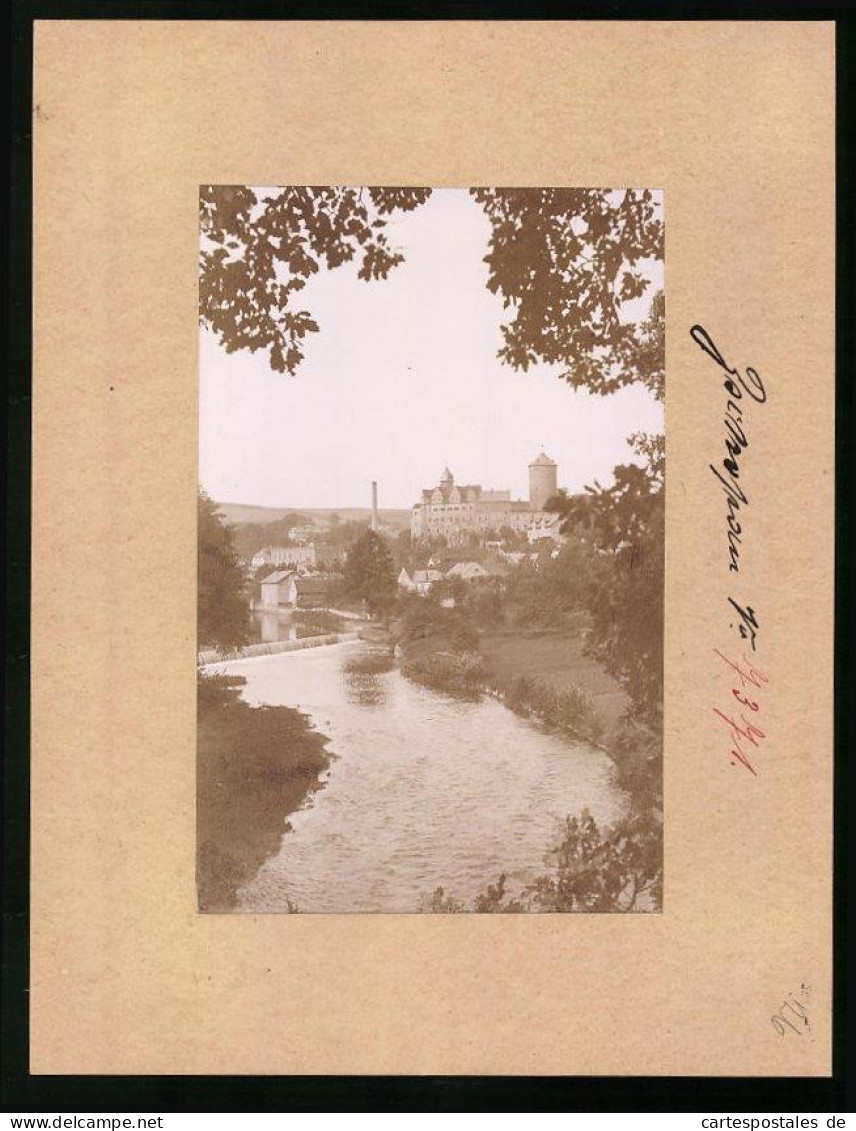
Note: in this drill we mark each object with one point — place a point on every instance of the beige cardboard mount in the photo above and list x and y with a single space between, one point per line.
735 122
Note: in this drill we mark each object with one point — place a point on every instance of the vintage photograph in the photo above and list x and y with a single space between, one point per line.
430 550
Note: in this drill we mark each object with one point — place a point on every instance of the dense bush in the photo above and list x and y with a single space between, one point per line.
373 662
438 903
223 605
493 900
456 673
425 619
636 750
624 589
317 623
571 710
617 869
554 593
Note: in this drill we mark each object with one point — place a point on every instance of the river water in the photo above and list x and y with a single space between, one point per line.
424 791
270 626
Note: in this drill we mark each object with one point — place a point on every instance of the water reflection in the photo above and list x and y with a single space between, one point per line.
269 626
274 625
361 672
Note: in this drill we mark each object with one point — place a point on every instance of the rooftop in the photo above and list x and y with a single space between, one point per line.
277 576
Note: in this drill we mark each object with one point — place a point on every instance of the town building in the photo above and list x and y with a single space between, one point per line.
420 581
279 556
547 526
285 588
456 510
310 592
275 588
543 481
303 534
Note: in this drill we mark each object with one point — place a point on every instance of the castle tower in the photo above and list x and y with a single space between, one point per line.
543 481
374 505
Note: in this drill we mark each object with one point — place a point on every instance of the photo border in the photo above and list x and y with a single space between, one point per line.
22 1091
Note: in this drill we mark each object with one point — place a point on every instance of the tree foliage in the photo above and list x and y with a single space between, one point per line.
555 592
602 871
222 603
567 262
624 589
250 537
590 870
258 251
370 573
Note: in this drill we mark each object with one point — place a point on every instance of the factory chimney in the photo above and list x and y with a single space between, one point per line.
374 505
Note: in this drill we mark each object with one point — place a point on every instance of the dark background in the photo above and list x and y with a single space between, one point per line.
24 1093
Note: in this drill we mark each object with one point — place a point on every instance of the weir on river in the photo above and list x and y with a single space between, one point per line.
424 791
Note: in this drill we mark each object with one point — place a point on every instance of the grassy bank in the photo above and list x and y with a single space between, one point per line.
539 673
555 659
253 764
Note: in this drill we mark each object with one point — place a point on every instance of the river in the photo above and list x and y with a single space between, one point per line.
424 791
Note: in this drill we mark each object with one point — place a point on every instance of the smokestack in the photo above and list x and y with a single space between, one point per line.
374 505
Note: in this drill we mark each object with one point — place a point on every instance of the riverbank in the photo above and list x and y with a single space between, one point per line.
425 789
556 659
254 767
541 674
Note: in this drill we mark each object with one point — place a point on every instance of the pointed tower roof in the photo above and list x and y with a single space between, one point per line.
447 475
543 460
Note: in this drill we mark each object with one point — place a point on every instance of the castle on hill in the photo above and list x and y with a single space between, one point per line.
455 510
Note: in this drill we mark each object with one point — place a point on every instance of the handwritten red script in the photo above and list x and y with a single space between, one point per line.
744 732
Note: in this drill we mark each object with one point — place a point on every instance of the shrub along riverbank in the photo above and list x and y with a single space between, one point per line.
455 673
253 765
441 649
545 675
570 711
555 658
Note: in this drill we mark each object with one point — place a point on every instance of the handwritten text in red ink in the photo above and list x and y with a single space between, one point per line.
742 715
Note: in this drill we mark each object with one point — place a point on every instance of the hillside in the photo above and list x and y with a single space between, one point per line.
241 513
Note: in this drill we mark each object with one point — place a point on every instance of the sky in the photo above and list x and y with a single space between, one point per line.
401 381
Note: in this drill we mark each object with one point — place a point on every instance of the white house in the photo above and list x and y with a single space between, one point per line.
280 556
420 581
309 592
515 557
275 589
546 526
302 534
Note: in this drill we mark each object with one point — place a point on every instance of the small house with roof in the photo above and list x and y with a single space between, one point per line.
419 580
311 592
275 588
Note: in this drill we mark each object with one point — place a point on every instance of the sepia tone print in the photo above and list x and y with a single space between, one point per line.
431 550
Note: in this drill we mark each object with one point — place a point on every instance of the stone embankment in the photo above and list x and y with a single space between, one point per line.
211 656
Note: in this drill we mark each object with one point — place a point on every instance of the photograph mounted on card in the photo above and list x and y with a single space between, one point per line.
463 683
432 548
